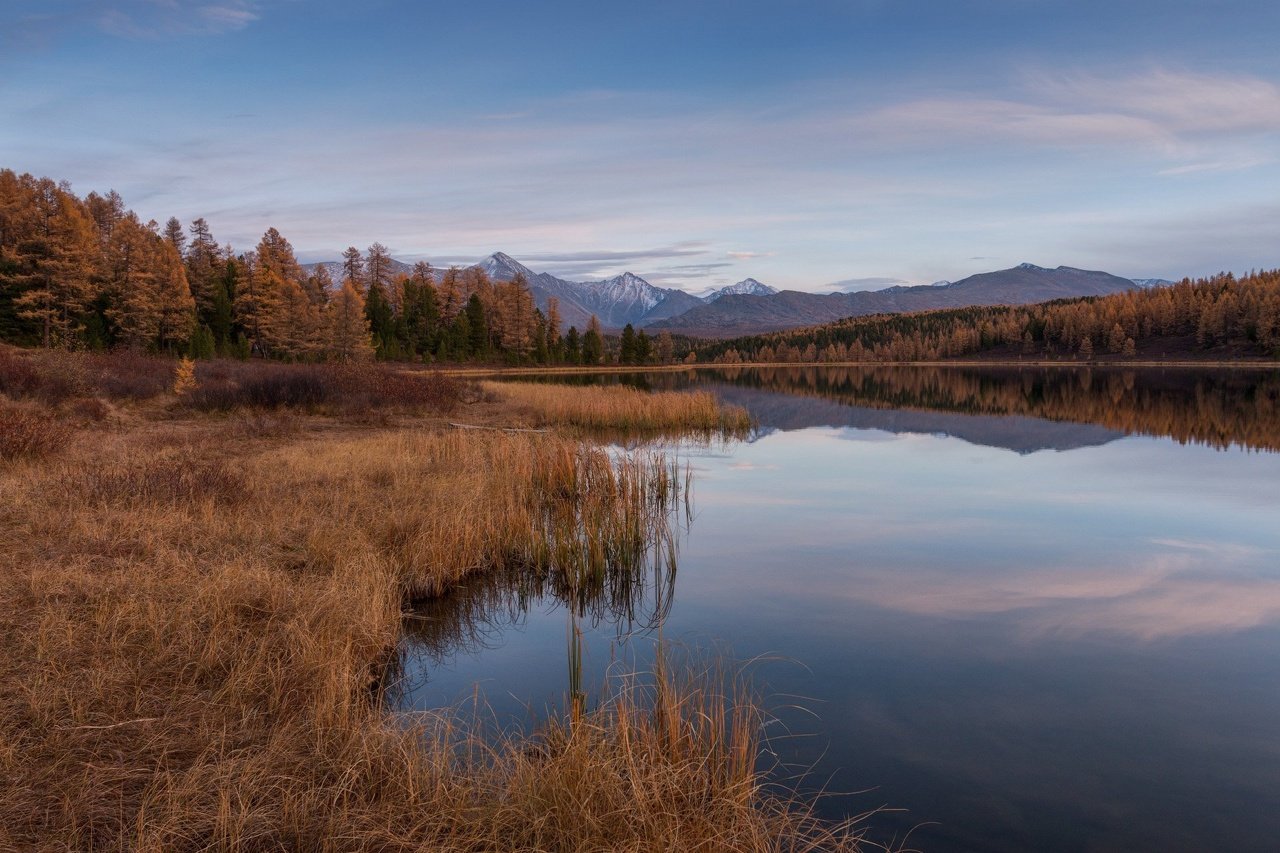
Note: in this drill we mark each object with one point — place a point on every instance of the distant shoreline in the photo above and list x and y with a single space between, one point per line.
461 370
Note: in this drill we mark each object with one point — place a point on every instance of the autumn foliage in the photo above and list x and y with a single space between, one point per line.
90 274
1223 315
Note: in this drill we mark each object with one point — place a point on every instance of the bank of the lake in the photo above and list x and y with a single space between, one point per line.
202 595
1028 608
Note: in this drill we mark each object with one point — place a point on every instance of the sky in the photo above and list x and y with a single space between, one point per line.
809 144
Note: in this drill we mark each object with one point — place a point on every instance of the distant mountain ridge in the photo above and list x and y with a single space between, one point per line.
749 306
616 301
1023 284
746 287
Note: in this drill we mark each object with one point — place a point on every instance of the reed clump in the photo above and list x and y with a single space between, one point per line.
196 619
29 431
624 408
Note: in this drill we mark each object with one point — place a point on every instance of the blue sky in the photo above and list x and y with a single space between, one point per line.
695 143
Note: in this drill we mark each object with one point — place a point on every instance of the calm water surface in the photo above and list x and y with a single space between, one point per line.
1030 610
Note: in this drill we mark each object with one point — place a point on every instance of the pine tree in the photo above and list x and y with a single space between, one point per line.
666 348
353 268
318 285
627 346
644 348
378 267
348 327
174 234
554 322
48 251
593 342
381 322
572 346
205 266
477 327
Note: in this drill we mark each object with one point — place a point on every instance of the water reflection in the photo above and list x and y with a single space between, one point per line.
1024 650
1020 409
629 596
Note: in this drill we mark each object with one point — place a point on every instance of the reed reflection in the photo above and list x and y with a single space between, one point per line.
606 569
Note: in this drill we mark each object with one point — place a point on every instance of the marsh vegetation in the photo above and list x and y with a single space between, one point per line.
201 597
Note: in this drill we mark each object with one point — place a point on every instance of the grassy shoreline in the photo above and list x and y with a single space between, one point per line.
196 605
479 372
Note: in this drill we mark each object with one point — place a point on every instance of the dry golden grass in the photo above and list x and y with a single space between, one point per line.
622 408
195 616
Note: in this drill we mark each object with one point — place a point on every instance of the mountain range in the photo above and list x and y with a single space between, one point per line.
730 316
749 306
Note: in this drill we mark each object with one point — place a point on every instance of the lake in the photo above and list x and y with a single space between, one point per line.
1024 609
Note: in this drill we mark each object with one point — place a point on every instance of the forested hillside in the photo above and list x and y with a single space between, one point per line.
1224 315
87 273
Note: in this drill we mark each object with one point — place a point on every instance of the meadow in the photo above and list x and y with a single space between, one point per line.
202 590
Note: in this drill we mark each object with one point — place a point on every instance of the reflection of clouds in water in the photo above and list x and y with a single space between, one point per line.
753 466
1161 597
1222 549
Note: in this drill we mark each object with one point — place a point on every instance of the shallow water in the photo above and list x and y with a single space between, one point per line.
1029 609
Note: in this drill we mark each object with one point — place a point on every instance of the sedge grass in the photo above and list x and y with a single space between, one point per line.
623 408
193 618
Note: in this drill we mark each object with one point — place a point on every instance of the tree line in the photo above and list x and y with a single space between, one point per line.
88 273
1240 408
1223 313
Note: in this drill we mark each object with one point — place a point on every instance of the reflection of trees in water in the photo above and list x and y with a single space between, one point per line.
1220 408
624 581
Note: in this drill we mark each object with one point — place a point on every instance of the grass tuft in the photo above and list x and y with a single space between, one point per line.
623 408
29 432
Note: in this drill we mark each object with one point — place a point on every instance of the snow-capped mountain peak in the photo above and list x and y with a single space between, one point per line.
630 289
746 287
502 267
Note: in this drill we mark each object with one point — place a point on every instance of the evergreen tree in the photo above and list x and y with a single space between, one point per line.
572 346
554 321
175 236
202 344
666 348
381 322
353 268
205 267
48 252
593 343
627 347
477 327
643 348
348 325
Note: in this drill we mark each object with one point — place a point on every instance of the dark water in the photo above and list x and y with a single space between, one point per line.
1032 610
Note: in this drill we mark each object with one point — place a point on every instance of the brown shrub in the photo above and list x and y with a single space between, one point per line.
29 432
352 390
164 480
89 409
130 375
50 376
264 425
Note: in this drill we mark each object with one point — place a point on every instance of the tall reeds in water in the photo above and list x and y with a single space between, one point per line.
624 409
188 658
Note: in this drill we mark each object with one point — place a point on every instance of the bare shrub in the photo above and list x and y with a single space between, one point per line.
50 377
89 409
28 432
268 425
164 480
352 390
130 375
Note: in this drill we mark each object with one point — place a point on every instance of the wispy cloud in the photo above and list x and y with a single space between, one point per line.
1169 111
161 18
1217 166
679 250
